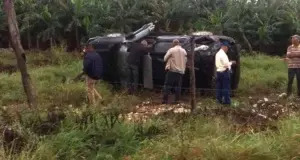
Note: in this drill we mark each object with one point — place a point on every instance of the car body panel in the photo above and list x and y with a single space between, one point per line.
114 50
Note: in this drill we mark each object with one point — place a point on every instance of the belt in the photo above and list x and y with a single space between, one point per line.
226 70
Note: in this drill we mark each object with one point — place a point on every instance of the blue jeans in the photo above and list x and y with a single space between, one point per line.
223 87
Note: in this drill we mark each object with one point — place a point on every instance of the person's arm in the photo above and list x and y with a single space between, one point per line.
225 61
86 64
289 53
167 56
146 50
184 52
293 55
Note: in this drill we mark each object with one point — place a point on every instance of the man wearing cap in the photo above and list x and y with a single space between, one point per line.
176 58
293 60
223 67
93 69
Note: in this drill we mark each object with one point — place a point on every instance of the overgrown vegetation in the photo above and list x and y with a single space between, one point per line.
65 128
263 74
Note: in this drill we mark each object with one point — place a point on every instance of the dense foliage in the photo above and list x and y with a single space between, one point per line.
258 24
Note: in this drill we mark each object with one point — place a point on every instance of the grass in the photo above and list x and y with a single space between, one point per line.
262 73
53 81
159 139
215 139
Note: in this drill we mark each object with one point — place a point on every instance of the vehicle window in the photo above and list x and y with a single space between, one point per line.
101 46
162 47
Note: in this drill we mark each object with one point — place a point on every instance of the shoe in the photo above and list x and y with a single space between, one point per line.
165 99
219 102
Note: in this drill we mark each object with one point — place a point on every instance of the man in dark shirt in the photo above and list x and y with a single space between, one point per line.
93 69
134 59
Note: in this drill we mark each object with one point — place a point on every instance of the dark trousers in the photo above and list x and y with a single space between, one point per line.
292 72
223 87
173 79
133 78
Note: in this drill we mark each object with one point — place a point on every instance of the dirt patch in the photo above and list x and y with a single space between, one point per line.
255 114
148 109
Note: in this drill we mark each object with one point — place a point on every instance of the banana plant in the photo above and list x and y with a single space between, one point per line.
239 19
28 18
51 26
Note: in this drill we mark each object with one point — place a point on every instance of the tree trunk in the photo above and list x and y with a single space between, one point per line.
28 39
37 43
192 75
261 45
77 38
220 30
54 43
246 41
167 25
19 51
9 43
51 43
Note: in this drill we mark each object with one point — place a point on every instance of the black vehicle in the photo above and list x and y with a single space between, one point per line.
114 49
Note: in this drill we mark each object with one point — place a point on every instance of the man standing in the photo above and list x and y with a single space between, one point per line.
176 59
134 59
293 60
93 69
223 66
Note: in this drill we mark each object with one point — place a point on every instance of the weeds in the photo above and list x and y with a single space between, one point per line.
65 128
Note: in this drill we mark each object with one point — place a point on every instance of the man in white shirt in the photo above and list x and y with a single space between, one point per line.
176 59
223 66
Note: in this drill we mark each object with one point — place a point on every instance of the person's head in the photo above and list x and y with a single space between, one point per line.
89 48
144 43
175 42
295 39
225 46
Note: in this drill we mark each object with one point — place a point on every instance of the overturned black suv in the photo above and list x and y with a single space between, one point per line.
113 49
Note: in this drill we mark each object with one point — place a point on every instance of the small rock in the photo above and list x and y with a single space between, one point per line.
255 105
266 99
260 101
282 95
262 115
181 110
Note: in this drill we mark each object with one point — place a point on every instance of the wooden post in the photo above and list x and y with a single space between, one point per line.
192 75
19 51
